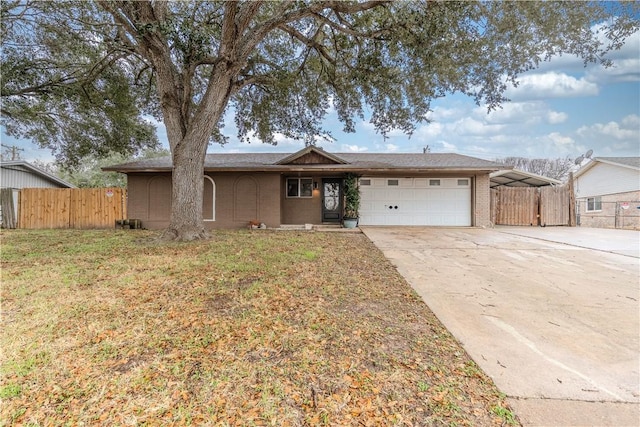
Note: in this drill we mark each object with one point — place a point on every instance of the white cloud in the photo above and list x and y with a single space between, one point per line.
551 85
626 63
631 121
555 117
627 130
429 130
470 126
448 146
624 70
442 113
353 148
560 140
390 148
281 139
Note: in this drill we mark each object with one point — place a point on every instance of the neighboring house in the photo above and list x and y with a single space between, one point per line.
306 188
18 174
608 193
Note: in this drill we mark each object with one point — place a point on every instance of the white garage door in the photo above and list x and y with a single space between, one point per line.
415 201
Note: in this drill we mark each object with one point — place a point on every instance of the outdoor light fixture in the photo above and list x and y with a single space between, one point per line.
315 185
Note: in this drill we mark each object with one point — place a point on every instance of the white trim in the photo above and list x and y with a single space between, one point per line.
596 200
213 200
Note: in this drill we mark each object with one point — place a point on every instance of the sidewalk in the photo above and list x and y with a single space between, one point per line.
622 242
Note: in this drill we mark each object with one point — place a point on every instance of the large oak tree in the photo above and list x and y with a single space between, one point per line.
281 65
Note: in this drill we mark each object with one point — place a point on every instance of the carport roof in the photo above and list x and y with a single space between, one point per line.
518 178
346 162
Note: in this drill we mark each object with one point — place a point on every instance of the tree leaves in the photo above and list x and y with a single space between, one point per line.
66 87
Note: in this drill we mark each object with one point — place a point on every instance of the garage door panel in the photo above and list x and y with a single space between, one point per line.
416 201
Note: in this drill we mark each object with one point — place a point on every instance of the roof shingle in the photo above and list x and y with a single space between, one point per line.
354 161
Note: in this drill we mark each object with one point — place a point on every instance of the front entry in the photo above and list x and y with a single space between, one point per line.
332 200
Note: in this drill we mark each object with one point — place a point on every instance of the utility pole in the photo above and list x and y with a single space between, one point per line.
11 151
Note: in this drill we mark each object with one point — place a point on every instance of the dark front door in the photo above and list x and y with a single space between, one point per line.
331 200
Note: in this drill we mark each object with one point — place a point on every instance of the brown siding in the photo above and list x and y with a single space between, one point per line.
159 201
260 196
150 199
312 158
301 210
246 199
137 199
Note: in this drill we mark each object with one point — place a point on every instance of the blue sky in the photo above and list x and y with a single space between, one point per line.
561 109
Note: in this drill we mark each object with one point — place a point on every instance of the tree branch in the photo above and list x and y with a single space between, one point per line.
311 43
312 10
246 13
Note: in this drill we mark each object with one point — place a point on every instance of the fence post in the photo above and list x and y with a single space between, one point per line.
572 202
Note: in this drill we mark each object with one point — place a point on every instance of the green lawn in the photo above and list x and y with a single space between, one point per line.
249 328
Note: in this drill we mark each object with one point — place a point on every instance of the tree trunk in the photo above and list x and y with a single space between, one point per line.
186 222
188 155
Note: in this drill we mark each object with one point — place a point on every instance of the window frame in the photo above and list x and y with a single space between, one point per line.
299 188
596 202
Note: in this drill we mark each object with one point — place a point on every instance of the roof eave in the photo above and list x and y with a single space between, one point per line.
609 162
136 170
43 174
317 168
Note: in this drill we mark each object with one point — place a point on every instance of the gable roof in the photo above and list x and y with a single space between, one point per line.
518 178
624 162
632 162
327 162
23 166
311 155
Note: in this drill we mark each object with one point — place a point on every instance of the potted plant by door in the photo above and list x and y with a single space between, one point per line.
351 201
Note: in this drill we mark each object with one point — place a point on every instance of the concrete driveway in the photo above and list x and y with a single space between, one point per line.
552 315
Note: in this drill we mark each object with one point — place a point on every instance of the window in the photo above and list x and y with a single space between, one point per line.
464 182
594 204
434 182
299 187
392 182
365 182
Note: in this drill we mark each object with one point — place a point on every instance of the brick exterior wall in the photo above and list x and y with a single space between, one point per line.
481 203
612 215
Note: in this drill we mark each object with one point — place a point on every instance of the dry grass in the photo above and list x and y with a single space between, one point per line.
250 328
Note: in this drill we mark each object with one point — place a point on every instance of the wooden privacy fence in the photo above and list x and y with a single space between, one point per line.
550 205
82 208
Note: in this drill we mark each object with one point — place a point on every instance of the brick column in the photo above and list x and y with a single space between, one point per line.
482 201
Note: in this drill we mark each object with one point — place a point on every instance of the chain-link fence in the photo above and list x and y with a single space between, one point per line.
620 214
